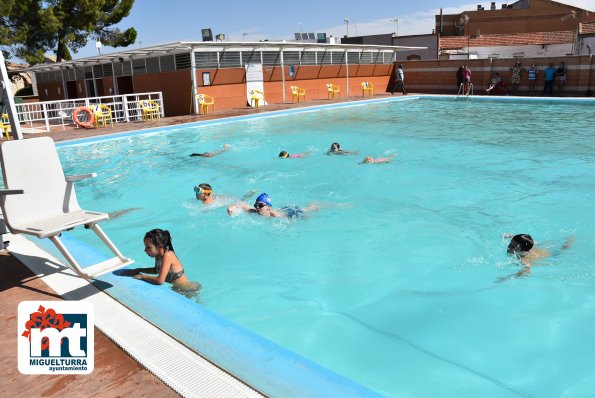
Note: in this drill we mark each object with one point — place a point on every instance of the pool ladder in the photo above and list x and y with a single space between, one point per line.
461 88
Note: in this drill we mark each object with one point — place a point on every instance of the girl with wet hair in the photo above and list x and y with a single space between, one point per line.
168 268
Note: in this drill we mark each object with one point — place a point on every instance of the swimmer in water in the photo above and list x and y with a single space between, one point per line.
263 207
370 159
285 155
523 248
336 150
168 267
204 193
211 154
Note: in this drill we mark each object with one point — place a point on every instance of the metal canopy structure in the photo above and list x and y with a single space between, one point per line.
186 47
192 48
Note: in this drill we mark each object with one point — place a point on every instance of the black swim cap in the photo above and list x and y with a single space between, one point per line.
520 243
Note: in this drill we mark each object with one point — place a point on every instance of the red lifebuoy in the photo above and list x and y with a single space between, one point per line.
90 117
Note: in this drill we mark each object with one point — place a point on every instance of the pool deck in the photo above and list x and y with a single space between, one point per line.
115 373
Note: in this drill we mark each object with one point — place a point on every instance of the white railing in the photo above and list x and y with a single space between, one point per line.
43 116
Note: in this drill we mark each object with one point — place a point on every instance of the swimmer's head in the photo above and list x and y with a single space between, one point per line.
283 154
262 200
335 147
520 244
368 159
203 189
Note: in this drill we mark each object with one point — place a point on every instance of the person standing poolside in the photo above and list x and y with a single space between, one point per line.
263 207
561 76
532 77
515 79
400 75
549 76
211 154
466 80
168 267
460 76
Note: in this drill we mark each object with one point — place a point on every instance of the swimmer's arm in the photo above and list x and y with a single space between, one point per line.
168 258
231 209
276 214
524 272
248 194
135 271
220 151
568 243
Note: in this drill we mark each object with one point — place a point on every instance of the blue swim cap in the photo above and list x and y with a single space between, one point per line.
264 198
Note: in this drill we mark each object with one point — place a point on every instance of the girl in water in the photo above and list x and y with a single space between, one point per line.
168 267
285 155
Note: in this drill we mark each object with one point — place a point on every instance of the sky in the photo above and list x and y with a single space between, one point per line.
182 20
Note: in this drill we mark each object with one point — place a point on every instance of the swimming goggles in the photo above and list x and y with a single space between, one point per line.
259 205
198 190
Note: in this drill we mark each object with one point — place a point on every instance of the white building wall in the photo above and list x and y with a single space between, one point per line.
526 51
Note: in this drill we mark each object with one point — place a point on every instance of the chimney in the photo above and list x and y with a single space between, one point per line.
493 6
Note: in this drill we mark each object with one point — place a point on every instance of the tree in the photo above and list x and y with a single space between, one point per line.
31 28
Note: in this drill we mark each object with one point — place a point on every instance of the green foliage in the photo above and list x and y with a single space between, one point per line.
30 28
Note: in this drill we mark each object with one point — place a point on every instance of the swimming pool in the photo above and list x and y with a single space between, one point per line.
393 283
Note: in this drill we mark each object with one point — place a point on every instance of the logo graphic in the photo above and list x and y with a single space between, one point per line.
56 337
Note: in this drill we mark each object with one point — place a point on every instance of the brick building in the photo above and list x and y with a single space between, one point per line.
523 16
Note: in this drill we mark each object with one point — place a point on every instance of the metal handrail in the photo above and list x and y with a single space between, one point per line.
37 117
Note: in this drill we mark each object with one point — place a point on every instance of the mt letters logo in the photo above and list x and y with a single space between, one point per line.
56 337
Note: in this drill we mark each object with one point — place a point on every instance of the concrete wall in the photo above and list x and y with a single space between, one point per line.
440 76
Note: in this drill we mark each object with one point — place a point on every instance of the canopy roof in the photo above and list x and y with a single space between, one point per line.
189 46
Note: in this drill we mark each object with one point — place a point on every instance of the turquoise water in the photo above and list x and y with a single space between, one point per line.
394 281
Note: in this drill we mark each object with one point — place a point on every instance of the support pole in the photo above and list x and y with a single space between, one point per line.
347 70
194 84
7 98
283 74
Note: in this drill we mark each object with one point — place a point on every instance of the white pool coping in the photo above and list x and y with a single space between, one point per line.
186 372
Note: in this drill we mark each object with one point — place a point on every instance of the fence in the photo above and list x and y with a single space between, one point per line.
43 116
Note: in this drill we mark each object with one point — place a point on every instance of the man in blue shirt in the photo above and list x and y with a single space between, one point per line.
550 75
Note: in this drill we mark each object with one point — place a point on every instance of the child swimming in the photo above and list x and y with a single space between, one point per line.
370 159
336 150
168 267
204 193
263 207
523 248
285 155
211 154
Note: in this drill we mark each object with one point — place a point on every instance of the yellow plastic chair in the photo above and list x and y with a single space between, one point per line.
204 101
5 125
297 92
150 110
369 87
331 90
255 98
103 114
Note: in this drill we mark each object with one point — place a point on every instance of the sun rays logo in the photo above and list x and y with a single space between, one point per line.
56 337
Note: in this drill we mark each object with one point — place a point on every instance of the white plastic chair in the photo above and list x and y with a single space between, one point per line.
39 200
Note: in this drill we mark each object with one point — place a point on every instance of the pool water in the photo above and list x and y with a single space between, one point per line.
394 282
